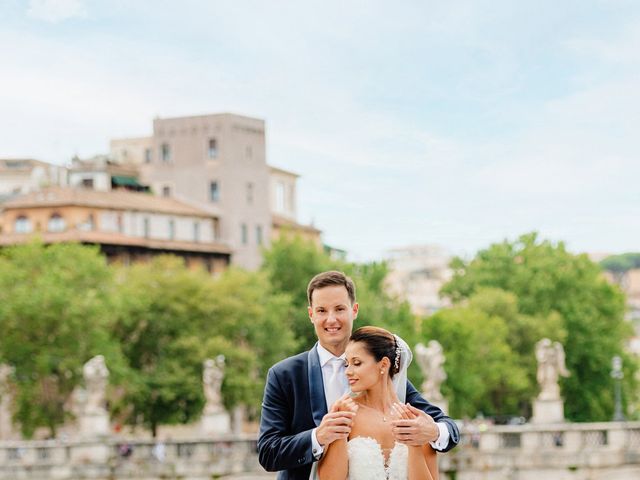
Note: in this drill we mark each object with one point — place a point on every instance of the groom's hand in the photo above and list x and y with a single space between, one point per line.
336 424
419 430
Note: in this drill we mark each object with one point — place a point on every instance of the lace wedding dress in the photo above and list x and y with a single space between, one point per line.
366 460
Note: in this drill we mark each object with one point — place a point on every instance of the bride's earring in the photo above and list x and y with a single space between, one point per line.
381 372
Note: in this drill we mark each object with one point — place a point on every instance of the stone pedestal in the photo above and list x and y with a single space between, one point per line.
94 425
215 423
548 411
6 426
90 453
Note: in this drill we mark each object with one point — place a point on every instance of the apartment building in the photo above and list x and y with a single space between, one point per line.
128 226
217 163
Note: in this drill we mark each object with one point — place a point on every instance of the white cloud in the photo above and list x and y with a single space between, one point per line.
55 11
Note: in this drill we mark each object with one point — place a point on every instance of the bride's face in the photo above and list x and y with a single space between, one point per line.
363 371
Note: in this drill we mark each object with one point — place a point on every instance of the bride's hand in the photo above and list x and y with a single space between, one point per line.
345 404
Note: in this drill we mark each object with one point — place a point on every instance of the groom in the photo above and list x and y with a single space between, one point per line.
297 423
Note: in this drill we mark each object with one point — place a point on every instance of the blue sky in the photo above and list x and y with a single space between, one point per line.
458 123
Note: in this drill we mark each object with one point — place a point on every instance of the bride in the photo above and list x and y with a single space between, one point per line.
377 363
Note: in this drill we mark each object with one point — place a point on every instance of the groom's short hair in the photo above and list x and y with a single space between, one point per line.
329 279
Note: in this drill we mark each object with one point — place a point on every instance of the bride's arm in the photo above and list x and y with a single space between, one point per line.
417 468
334 464
422 462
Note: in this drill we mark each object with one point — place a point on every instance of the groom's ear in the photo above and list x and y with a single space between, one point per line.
355 308
310 312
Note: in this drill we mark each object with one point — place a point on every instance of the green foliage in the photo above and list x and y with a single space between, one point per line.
170 319
54 316
490 352
567 290
290 264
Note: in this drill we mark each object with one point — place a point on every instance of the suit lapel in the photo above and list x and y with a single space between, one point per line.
316 386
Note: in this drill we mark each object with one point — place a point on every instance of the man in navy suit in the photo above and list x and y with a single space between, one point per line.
297 423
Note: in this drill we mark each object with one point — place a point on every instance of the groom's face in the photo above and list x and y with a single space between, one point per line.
332 315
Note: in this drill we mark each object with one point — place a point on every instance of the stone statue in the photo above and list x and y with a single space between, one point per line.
551 366
212 376
96 376
430 359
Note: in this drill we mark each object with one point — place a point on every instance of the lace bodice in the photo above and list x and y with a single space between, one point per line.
366 460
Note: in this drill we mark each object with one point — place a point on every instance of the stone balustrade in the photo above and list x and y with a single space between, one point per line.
128 459
590 451
555 452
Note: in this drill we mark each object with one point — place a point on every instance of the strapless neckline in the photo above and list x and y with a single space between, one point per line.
367 460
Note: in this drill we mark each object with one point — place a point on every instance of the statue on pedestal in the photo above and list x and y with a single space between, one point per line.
92 400
431 359
548 406
551 366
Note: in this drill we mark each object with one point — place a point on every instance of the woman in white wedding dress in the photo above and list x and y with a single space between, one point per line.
374 357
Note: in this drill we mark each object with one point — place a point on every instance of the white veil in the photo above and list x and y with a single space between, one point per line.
400 378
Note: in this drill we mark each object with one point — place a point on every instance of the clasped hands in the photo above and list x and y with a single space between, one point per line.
408 424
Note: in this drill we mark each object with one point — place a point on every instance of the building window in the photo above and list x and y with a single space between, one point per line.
213 148
244 233
23 225
280 196
259 234
148 155
249 193
88 224
87 182
166 191
172 229
56 223
165 152
196 231
120 223
146 227
214 191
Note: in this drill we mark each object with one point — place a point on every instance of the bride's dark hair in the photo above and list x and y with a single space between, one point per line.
380 343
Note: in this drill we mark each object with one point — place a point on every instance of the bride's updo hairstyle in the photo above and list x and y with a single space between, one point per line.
380 343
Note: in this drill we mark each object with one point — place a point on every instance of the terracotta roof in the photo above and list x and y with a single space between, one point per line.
112 200
279 221
103 238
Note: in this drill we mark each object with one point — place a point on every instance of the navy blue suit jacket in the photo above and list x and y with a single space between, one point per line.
294 404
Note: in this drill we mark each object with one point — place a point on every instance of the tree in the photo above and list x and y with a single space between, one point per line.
170 319
547 280
54 316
